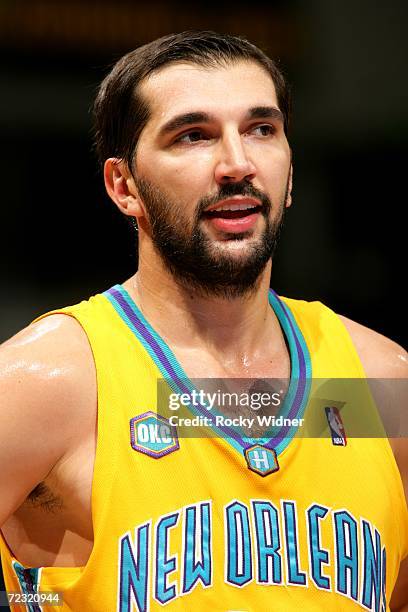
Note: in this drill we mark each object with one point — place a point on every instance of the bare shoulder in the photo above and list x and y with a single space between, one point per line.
381 357
47 386
50 356
384 361
386 366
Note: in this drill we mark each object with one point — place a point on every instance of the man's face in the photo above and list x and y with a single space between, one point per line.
212 170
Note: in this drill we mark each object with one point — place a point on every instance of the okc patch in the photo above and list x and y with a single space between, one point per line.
337 430
153 435
261 460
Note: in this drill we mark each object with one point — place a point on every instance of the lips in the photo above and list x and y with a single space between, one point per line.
233 208
233 213
234 217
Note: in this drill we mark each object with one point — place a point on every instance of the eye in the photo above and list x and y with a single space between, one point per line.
193 136
264 130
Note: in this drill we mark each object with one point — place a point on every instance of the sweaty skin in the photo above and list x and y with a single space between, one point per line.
47 374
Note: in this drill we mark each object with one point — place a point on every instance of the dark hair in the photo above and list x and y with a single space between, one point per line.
120 113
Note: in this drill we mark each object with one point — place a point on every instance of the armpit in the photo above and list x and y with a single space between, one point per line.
43 497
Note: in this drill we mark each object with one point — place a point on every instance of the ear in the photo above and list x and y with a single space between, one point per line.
121 187
290 183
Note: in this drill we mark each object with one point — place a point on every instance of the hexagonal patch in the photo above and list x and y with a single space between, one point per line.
261 459
153 435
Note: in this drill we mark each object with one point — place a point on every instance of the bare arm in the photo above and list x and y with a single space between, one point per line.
384 359
46 382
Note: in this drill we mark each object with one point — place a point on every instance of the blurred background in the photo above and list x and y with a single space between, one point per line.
344 241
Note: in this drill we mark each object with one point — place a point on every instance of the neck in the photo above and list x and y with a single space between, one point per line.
227 328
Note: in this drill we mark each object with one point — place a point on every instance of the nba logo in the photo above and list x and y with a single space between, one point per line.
337 431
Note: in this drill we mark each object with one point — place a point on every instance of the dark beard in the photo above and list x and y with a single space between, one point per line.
187 253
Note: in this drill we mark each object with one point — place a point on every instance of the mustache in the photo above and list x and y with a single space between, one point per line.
243 188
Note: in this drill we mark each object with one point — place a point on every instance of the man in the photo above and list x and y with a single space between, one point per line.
112 507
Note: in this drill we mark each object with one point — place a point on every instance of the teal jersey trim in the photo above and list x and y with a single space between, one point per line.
176 378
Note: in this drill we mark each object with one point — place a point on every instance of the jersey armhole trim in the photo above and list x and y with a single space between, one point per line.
57 570
393 462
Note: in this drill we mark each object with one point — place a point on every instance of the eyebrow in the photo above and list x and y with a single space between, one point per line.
185 119
265 112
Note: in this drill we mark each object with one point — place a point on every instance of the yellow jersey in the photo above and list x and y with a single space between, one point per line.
225 522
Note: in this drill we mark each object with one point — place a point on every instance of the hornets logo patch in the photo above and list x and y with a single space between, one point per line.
153 435
261 459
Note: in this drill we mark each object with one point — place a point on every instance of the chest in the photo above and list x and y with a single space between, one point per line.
200 364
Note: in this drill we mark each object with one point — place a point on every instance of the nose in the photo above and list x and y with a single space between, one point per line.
233 164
